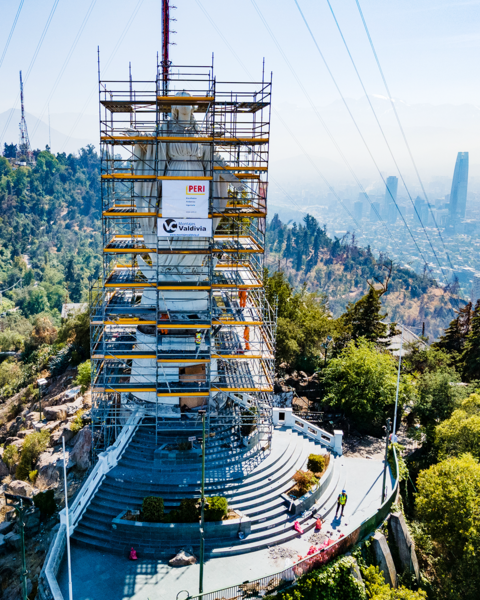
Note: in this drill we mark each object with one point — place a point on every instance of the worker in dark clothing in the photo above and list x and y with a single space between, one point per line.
341 501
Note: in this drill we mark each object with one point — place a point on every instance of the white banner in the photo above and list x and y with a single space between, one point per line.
186 227
185 198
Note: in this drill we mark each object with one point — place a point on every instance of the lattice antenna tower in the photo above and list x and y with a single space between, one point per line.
24 149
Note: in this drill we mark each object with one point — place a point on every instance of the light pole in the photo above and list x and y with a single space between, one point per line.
394 436
387 432
23 506
202 506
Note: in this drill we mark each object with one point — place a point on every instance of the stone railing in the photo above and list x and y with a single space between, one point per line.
287 418
48 588
106 462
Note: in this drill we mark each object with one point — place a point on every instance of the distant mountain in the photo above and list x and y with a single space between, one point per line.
39 134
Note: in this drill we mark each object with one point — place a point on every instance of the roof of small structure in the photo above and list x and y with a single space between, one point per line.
408 337
68 309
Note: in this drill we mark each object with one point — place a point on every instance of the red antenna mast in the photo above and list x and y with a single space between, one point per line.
166 43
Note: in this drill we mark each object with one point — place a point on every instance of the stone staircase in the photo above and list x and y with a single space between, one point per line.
251 479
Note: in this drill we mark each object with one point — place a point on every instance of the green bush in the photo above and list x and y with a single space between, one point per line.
216 508
84 376
189 511
305 480
34 445
45 502
316 463
77 422
33 476
152 509
11 456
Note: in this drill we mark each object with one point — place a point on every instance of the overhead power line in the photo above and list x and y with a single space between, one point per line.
360 134
386 141
320 118
112 56
277 115
65 64
32 63
7 43
401 126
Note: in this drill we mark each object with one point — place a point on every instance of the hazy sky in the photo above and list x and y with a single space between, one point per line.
429 50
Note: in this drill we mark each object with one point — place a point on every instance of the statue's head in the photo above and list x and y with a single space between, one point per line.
183 112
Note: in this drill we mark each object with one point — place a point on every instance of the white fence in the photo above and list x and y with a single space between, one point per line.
287 418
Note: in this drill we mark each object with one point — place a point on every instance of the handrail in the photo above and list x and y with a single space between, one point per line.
106 462
333 442
270 584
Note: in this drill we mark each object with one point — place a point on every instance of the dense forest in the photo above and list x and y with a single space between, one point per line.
342 270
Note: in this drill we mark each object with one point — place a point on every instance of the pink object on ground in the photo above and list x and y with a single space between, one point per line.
318 524
297 527
133 554
312 550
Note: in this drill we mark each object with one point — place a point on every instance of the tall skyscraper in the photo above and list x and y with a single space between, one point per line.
390 199
421 212
458 195
357 210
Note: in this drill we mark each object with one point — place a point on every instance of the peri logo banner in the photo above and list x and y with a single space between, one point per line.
184 227
186 199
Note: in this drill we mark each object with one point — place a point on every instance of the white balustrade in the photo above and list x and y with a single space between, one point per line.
106 462
287 418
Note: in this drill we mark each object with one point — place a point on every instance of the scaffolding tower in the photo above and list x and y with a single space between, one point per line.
179 318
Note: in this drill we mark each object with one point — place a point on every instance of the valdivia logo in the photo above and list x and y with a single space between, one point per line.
170 225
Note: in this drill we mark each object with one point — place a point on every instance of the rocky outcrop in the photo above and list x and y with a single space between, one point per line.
80 455
56 413
22 488
407 556
182 559
383 558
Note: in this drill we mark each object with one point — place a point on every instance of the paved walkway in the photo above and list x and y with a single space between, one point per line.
100 576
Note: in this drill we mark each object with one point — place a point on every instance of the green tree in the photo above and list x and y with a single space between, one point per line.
461 432
304 323
84 375
362 381
36 302
453 340
470 358
364 319
448 504
438 394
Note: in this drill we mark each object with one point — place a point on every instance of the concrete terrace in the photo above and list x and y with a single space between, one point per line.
98 575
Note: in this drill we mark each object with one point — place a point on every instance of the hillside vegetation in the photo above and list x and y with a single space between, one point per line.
341 270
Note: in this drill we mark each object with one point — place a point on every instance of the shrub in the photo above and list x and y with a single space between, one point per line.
77 422
189 511
184 446
11 456
45 502
304 480
216 508
34 445
152 509
316 463
33 476
84 375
